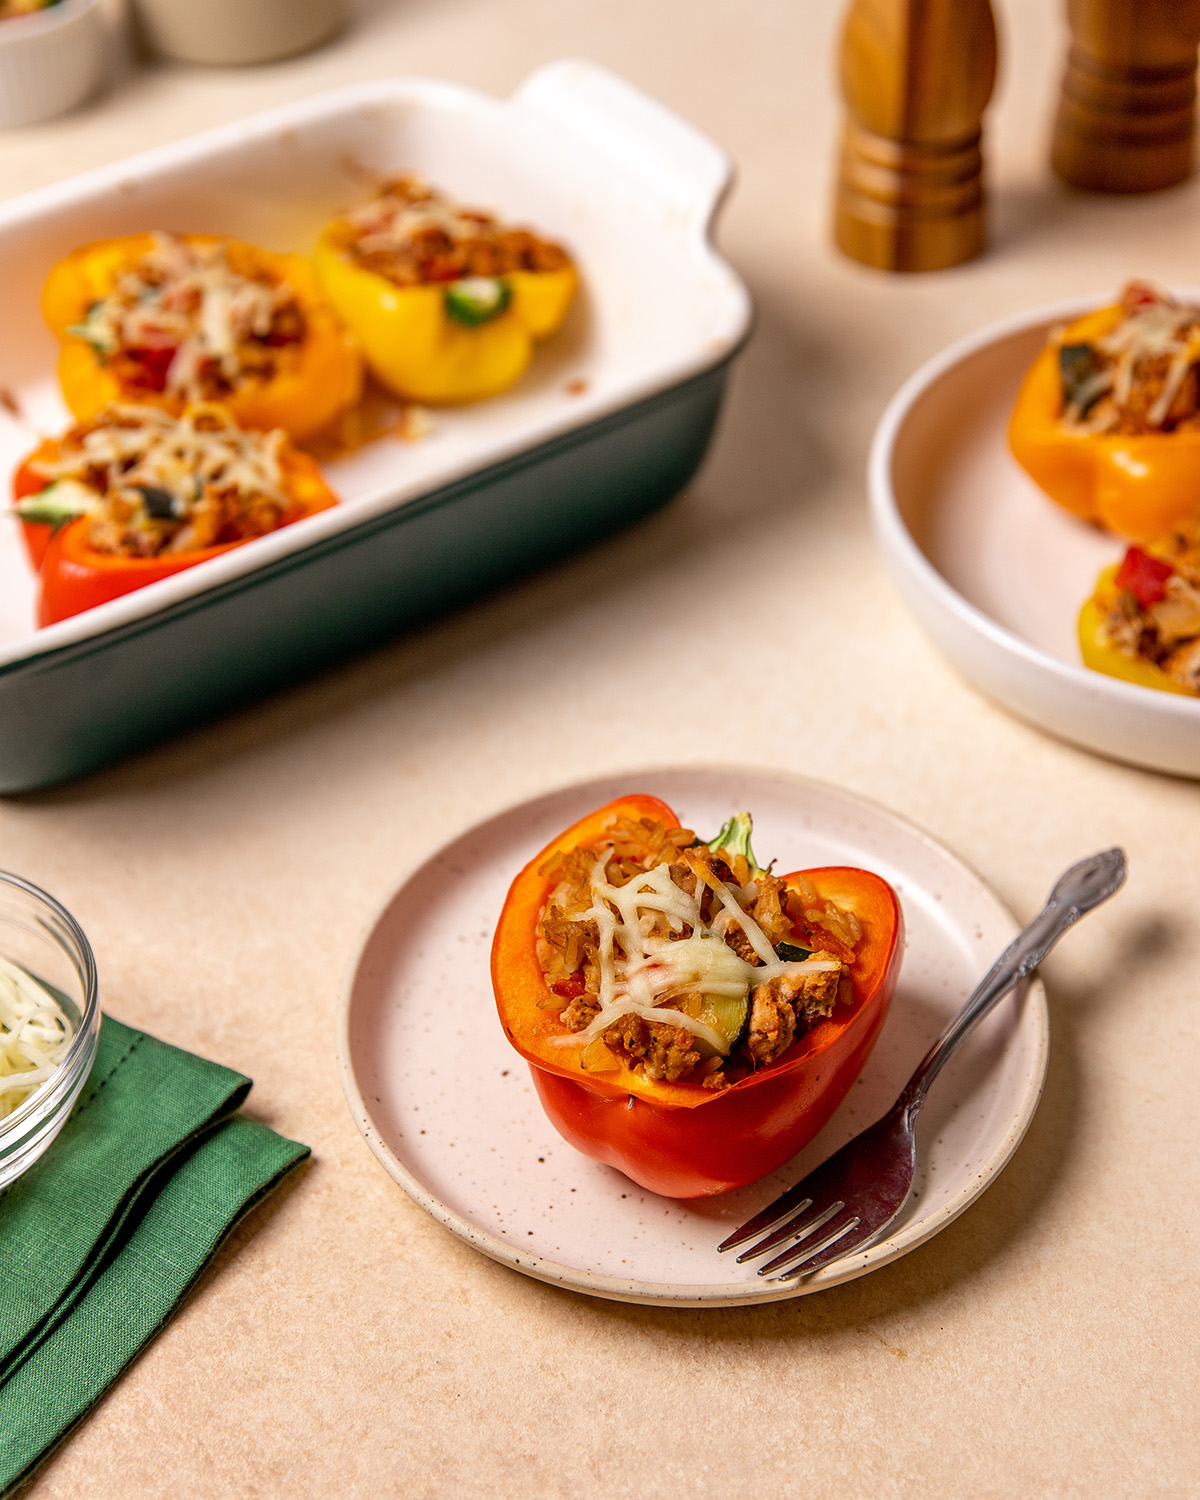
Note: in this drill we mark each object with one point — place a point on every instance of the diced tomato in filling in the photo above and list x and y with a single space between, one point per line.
442 268
1138 295
1145 577
153 364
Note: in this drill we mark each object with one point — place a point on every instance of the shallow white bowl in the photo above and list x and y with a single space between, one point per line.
994 571
50 61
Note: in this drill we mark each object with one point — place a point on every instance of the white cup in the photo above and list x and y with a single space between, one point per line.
236 31
50 60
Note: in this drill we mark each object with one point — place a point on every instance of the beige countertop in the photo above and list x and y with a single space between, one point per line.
1042 1345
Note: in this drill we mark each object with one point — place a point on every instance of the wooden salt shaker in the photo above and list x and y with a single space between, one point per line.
1127 118
916 78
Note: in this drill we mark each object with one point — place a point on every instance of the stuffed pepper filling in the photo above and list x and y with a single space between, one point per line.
412 236
1142 375
1151 612
684 959
194 321
152 484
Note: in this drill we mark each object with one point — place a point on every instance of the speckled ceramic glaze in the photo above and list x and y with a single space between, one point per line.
995 571
449 1110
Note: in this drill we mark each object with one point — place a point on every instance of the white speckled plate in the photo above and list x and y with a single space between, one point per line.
448 1107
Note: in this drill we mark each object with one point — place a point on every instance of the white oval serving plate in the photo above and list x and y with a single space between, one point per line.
449 1110
995 572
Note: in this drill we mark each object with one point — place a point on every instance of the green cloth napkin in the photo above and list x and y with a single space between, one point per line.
101 1240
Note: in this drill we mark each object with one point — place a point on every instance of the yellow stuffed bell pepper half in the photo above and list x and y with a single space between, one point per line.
163 319
1121 630
1137 483
446 303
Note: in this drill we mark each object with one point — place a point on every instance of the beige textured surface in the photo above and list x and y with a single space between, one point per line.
348 1346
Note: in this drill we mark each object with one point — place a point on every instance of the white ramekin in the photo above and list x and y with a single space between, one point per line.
50 60
236 32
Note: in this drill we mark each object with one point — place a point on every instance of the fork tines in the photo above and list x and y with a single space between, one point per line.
838 1207
806 1222
801 1226
810 1255
793 1201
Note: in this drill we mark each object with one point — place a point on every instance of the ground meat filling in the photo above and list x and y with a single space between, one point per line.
782 1008
1140 377
773 1012
413 236
1158 620
195 321
666 1053
154 484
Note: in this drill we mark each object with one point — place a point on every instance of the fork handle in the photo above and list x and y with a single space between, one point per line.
1084 886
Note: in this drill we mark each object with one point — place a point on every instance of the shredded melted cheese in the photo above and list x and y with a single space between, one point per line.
1164 329
134 446
188 298
35 1033
638 973
391 222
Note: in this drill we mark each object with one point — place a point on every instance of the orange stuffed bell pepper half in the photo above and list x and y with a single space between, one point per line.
447 304
1108 418
136 495
1143 622
687 1016
167 319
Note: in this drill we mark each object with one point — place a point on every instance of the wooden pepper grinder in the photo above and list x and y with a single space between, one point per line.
1127 117
916 78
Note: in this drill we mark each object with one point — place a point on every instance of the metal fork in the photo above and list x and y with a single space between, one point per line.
851 1199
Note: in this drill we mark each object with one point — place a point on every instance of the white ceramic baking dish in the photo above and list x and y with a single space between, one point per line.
611 419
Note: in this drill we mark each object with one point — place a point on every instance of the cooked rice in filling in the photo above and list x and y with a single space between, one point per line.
649 943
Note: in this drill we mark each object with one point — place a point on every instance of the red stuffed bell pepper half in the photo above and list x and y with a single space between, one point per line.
136 494
689 1017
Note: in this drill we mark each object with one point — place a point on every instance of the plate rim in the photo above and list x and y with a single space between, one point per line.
907 561
667 1294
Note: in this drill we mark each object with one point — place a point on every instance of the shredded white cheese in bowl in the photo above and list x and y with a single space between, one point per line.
49 1021
35 1033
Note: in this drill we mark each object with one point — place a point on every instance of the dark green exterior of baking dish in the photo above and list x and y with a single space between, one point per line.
74 709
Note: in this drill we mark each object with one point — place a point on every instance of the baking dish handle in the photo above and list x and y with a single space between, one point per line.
646 138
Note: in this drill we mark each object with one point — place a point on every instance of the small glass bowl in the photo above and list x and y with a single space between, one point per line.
44 938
